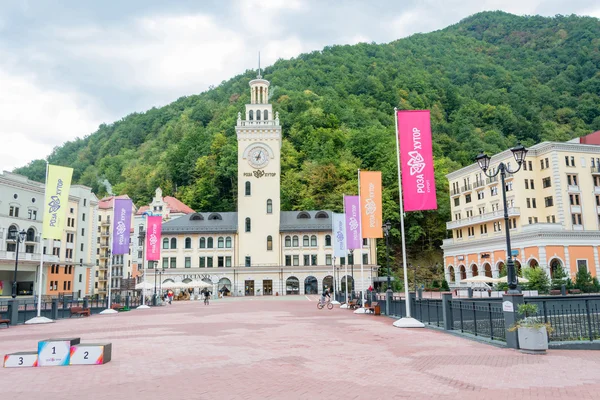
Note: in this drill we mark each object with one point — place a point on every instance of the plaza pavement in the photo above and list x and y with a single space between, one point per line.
284 348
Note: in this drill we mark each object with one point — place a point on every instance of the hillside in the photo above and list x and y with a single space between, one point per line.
491 80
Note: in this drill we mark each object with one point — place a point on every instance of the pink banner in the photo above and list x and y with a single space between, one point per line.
416 160
153 227
352 210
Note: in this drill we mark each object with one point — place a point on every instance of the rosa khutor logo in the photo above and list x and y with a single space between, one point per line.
153 240
340 236
54 204
353 224
120 228
416 162
370 207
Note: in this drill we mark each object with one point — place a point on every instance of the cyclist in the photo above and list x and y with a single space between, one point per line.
325 294
206 296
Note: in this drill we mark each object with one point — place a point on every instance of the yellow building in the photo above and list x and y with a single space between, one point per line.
553 208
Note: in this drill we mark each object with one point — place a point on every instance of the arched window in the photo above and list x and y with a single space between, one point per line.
305 241
313 241
248 225
322 214
173 243
258 115
487 268
221 243
165 243
202 243
474 270
269 206
295 241
188 243
266 113
248 189
209 243
215 217
463 272
303 215
251 115
30 235
228 242
327 240
288 241
451 273
269 242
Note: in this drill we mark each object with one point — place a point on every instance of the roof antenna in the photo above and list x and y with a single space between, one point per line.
259 76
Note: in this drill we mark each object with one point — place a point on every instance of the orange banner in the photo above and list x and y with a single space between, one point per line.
370 204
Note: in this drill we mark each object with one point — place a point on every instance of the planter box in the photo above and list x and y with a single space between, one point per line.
533 340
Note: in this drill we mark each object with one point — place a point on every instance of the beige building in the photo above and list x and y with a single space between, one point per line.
258 250
553 209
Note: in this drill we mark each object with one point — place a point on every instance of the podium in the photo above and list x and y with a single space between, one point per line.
90 354
21 359
54 352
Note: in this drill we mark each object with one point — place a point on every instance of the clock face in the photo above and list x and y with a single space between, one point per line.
258 157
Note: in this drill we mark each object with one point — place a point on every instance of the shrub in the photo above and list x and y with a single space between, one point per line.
538 279
559 278
445 286
583 281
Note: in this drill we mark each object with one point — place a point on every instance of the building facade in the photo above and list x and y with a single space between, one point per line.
553 208
258 250
68 262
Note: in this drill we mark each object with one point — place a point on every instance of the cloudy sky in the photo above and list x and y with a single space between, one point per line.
68 66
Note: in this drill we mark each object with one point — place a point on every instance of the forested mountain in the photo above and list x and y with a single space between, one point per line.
491 80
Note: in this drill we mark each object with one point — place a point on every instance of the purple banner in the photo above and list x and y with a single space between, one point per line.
121 226
352 209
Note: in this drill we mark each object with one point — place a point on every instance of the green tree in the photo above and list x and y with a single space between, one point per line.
538 279
559 278
583 281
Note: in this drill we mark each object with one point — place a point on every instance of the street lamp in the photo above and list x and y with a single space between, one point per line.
386 232
19 238
519 152
352 270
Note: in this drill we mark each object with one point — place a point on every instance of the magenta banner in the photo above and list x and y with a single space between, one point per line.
153 227
121 226
416 160
352 210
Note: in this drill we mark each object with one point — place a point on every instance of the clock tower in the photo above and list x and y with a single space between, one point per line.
259 170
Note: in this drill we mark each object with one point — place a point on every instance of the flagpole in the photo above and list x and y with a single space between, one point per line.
39 319
109 309
345 305
361 310
408 321
144 261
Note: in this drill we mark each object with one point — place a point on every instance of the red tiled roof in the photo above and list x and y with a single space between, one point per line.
142 210
107 202
177 206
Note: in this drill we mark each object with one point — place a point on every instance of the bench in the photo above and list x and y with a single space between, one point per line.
353 304
555 292
574 291
80 311
5 322
374 308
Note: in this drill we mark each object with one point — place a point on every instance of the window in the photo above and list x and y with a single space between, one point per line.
173 243
269 242
266 115
220 261
365 242
248 261
313 241
173 262
228 261
342 260
469 213
288 241
288 261
533 203
570 161
327 240
574 199
269 206
296 260
248 188
202 262
251 115
572 179
202 243
597 200
546 162
248 225
530 166
188 262
81 247
209 262
80 278
494 190
546 182
327 259
209 243
471 231
468 198
83 217
366 257
531 185
576 219
597 178
509 186
459 233
313 259
305 241
221 243
582 265
483 229
228 242
165 264
139 254
295 241
526 184
13 211
480 195
456 201
32 214
188 243
306 259
549 202
514 222
542 164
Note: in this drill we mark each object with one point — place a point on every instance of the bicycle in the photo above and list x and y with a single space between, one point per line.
322 304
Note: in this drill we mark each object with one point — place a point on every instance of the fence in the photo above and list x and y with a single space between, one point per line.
57 308
478 317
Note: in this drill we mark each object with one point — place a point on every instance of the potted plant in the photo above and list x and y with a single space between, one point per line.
532 331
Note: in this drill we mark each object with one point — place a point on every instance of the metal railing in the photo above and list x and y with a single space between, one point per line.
479 318
429 311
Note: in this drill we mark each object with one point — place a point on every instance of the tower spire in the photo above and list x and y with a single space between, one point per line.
259 76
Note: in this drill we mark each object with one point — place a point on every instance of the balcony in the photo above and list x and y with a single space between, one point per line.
596 191
509 176
105 223
595 170
483 218
466 188
254 123
104 234
577 227
478 184
492 181
575 209
573 188
455 192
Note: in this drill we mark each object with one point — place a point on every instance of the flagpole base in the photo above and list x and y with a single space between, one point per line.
39 320
408 322
142 307
344 305
360 311
335 303
108 311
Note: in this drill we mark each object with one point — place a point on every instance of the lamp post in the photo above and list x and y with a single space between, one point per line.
155 298
352 270
19 238
519 152
389 292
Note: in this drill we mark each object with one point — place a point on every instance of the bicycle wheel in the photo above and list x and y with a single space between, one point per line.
319 306
329 306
